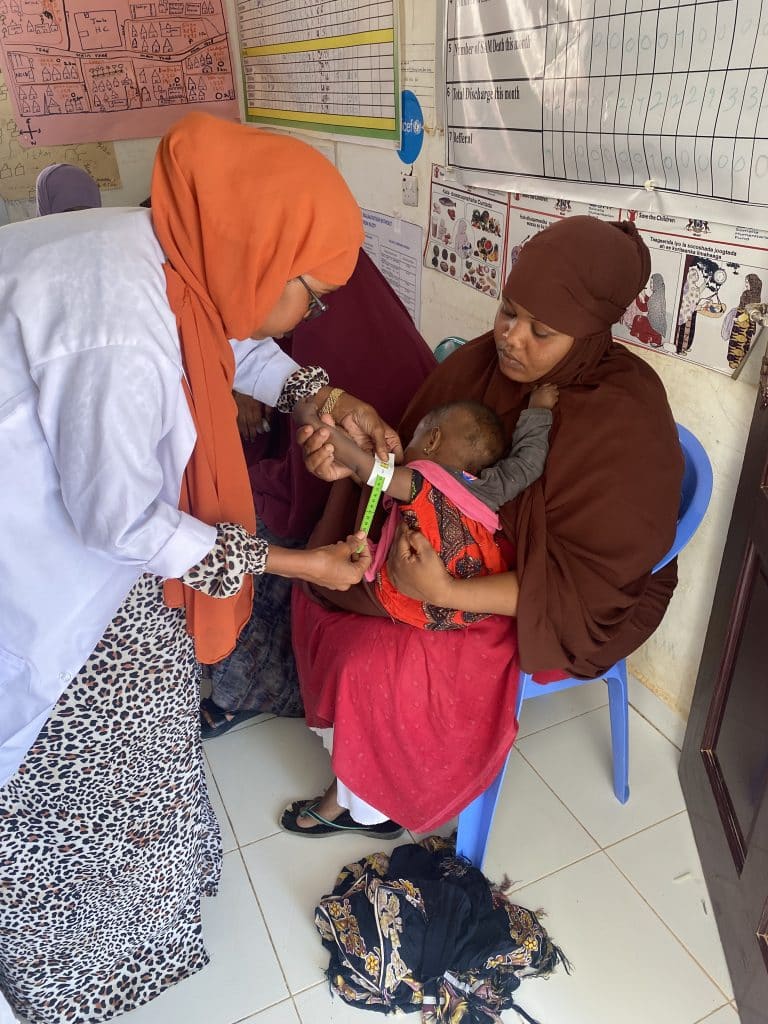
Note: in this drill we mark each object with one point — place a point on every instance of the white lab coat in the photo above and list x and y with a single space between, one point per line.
95 433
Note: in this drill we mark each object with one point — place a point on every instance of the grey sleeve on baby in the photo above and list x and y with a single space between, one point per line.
524 463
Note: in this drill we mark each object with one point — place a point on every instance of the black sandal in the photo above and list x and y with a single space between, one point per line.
344 823
215 721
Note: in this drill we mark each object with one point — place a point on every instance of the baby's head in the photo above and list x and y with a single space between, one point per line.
459 435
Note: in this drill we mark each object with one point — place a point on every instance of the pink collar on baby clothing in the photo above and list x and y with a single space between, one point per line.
444 481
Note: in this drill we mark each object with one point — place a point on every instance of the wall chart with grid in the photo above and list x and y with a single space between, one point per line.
671 94
330 66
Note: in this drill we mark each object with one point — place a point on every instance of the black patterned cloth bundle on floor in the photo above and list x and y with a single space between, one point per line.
423 930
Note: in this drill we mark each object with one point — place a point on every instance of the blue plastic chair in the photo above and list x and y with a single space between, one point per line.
475 820
448 345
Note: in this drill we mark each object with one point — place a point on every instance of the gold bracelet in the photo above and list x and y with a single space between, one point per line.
330 401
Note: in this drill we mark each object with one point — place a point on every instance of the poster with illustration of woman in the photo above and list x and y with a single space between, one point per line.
738 330
648 313
693 290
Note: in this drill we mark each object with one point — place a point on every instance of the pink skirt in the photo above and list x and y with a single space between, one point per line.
423 721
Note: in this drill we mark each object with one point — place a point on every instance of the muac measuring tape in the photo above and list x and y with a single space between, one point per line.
379 480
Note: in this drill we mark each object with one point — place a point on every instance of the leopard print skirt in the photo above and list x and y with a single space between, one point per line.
107 836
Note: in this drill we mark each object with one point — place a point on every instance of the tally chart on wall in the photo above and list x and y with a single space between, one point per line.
560 96
334 67
79 71
654 111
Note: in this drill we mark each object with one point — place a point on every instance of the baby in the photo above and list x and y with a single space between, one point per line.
450 489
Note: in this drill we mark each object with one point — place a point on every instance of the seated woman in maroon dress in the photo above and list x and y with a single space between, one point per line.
421 721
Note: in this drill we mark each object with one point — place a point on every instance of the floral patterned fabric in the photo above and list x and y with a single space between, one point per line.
424 930
260 674
466 549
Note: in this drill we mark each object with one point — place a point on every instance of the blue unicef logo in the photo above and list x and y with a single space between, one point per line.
412 126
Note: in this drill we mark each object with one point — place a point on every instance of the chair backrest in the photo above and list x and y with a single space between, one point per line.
448 345
697 491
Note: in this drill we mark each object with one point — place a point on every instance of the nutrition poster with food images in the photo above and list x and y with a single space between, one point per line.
467 234
703 276
559 96
330 66
84 72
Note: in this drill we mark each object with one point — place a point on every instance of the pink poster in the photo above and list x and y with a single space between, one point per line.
79 71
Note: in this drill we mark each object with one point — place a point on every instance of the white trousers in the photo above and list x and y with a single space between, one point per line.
359 810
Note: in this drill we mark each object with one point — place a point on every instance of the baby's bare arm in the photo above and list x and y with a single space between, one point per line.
350 454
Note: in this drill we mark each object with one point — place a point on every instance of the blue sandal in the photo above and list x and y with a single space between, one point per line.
215 721
324 827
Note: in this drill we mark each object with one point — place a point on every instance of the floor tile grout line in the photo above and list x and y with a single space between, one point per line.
267 929
553 725
249 724
573 814
653 724
221 800
308 988
515 889
264 1009
296 1010
252 842
557 797
703 1020
580 714
300 993
645 828
674 934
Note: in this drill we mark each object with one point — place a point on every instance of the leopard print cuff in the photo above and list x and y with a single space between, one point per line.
235 554
302 383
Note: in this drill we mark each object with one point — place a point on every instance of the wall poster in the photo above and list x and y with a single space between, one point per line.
561 96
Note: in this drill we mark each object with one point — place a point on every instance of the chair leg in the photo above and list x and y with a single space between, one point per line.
618 702
475 822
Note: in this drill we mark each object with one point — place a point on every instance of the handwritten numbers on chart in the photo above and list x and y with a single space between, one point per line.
626 92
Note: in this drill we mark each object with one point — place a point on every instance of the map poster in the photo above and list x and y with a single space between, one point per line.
19 167
79 73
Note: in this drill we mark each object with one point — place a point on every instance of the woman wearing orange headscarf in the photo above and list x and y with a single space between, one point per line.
129 543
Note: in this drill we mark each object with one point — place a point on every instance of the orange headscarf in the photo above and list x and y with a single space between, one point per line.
239 212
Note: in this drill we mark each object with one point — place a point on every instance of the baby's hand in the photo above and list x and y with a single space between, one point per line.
544 396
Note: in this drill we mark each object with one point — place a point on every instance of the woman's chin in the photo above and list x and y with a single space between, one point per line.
513 370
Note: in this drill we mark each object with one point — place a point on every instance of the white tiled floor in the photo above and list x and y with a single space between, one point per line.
621 886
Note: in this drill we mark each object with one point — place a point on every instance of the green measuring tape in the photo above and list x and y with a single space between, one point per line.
383 476
373 501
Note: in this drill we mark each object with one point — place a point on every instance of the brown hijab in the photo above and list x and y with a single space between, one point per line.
591 529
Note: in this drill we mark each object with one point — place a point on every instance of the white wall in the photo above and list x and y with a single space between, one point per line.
717 409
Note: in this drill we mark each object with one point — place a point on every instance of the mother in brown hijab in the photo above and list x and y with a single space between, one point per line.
422 721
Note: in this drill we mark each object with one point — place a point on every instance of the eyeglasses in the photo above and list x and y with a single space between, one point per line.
316 304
